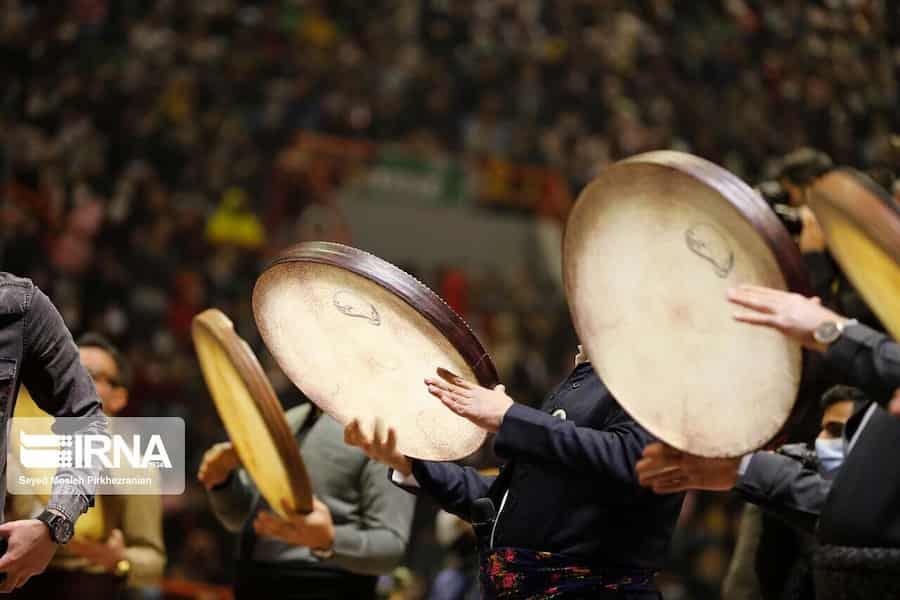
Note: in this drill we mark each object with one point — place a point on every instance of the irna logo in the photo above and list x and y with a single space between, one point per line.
92 451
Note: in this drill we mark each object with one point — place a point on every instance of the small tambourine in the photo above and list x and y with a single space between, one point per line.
650 249
861 223
359 336
251 413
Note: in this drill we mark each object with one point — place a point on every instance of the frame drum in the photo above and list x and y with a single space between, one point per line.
251 413
862 227
358 336
650 248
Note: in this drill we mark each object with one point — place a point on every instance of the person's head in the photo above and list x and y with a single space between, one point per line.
838 403
799 169
108 368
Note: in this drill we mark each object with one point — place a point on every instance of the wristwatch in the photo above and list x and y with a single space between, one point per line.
828 332
61 528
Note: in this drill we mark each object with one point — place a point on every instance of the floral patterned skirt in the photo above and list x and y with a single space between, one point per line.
508 573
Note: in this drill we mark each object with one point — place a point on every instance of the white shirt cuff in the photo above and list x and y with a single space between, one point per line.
406 480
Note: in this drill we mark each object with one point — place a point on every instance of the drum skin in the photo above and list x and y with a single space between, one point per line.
861 223
650 249
251 413
358 336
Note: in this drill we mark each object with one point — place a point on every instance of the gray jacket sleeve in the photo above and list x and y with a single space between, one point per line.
60 385
377 543
870 359
781 486
233 502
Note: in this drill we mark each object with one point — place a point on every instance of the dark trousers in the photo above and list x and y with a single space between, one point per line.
255 580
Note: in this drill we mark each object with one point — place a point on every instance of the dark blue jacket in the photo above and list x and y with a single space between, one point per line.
571 483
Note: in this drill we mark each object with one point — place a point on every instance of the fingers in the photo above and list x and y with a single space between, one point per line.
440 384
116 537
352 434
390 444
379 433
458 404
754 298
757 318
455 379
671 487
11 581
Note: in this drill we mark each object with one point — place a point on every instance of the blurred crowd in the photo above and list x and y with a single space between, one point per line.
148 171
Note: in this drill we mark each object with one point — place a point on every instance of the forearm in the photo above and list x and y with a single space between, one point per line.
452 486
60 385
366 551
781 486
541 437
231 503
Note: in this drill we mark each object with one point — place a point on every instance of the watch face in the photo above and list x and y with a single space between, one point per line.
62 530
827 332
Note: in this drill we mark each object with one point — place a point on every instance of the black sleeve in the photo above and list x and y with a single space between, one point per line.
783 487
870 359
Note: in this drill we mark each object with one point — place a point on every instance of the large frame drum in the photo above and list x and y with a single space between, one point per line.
861 223
358 336
251 413
650 248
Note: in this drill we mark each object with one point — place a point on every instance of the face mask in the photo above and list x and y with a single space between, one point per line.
830 453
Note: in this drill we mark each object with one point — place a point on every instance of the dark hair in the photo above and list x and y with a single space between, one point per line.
96 340
842 393
801 167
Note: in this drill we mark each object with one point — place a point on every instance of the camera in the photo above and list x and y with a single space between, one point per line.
778 200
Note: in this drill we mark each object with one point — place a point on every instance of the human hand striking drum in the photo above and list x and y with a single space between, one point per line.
217 464
478 404
792 314
379 443
667 471
314 530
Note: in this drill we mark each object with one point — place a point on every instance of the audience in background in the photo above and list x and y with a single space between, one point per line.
142 142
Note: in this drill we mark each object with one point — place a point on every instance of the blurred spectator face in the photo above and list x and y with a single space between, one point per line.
102 367
835 417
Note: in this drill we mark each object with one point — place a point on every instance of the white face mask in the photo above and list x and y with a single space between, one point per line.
830 453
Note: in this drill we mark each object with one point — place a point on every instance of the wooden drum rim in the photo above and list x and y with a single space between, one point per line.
748 203
219 327
406 287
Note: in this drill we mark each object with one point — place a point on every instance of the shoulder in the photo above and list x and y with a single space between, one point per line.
15 293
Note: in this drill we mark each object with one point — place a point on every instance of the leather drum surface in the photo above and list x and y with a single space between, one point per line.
862 229
650 249
251 413
358 336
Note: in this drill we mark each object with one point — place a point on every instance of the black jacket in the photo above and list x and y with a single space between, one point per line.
860 507
570 483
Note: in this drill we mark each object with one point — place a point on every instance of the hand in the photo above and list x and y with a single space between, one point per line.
811 237
668 470
480 405
217 464
894 405
106 555
315 530
379 444
792 314
29 549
